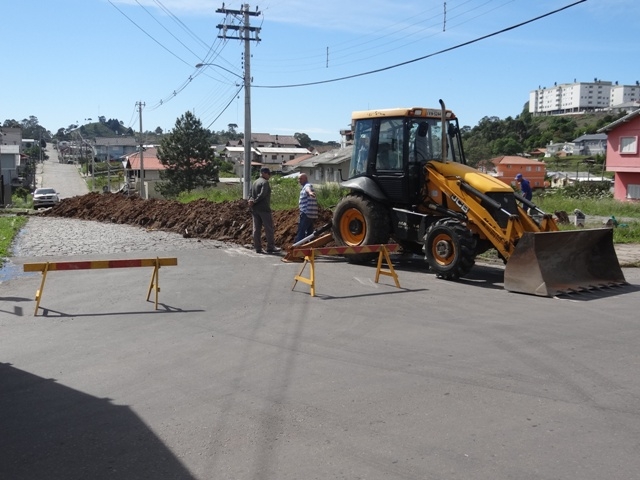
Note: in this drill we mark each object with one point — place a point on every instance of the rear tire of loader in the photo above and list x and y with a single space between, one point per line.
450 248
359 221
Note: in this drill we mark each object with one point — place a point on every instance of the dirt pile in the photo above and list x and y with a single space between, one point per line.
227 222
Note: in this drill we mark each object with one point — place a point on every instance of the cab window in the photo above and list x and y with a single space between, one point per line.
390 142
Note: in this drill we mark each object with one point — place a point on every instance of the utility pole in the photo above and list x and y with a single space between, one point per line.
244 33
142 189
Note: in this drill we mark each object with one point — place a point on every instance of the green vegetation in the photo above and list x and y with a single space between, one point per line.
627 214
188 158
284 194
22 198
9 228
493 137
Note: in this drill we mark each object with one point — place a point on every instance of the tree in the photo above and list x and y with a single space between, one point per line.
158 130
188 158
11 123
303 139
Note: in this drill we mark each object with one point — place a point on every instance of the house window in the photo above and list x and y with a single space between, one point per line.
528 168
291 157
628 145
274 157
633 191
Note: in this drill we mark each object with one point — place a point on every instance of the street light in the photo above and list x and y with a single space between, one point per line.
246 81
200 65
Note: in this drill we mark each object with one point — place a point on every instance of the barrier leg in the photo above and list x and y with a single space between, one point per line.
311 281
155 282
384 253
40 290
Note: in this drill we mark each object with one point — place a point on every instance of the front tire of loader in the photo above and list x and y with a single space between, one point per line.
359 221
450 249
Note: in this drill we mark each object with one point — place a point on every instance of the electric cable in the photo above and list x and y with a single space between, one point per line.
449 49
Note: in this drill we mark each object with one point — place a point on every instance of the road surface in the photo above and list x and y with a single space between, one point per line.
64 178
238 376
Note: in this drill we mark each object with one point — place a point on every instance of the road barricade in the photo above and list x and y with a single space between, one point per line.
309 255
47 267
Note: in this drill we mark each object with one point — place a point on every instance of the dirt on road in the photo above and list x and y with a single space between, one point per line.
227 222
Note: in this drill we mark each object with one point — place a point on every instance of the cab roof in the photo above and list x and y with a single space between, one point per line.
418 112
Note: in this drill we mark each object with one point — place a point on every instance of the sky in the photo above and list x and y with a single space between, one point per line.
73 61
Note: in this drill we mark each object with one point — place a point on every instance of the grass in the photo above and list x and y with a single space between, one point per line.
626 213
284 194
9 227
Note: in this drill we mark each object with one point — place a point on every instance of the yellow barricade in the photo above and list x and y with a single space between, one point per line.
94 264
309 255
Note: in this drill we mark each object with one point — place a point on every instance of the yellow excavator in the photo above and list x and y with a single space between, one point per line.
409 181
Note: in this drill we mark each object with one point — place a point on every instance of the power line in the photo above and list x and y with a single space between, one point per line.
397 65
166 29
226 106
147 34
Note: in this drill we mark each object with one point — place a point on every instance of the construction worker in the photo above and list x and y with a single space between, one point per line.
525 186
308 208
260 205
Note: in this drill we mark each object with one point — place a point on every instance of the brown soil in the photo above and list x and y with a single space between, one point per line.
227 222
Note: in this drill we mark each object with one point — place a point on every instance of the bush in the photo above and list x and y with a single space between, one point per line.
594 190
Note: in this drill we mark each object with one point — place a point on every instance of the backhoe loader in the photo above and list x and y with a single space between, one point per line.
409 181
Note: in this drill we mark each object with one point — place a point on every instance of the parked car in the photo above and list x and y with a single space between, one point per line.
45 197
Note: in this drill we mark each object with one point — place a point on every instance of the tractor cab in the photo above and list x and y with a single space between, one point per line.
391 147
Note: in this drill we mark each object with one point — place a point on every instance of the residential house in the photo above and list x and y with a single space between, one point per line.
152 168
623 156
562 149
292 165
328 167
268 140
563 179
275 157
235 155
507 167
595 144
10 160
112 148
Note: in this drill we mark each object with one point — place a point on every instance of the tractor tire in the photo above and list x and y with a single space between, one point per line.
360 221
450 249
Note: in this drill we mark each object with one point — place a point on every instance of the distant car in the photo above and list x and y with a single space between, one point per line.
45 197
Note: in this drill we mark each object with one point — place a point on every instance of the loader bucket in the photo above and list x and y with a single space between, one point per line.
552 263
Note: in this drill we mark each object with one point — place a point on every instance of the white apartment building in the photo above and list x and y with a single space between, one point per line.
580 97
625 94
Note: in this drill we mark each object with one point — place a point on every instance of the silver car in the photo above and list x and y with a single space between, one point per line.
45 197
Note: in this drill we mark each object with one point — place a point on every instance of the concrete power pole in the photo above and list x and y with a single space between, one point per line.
246 30
142 189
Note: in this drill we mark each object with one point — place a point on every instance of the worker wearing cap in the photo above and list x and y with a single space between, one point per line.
260 205
525 186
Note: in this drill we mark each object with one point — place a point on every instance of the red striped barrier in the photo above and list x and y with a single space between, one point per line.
305 252
97 264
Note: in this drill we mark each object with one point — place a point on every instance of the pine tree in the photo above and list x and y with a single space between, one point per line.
188 158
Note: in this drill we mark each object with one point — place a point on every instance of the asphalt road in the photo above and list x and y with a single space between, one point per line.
237 376
62 177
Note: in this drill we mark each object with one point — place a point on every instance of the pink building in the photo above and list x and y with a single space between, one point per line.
623 156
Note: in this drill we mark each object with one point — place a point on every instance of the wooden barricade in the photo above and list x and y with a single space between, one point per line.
309 255
95 264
